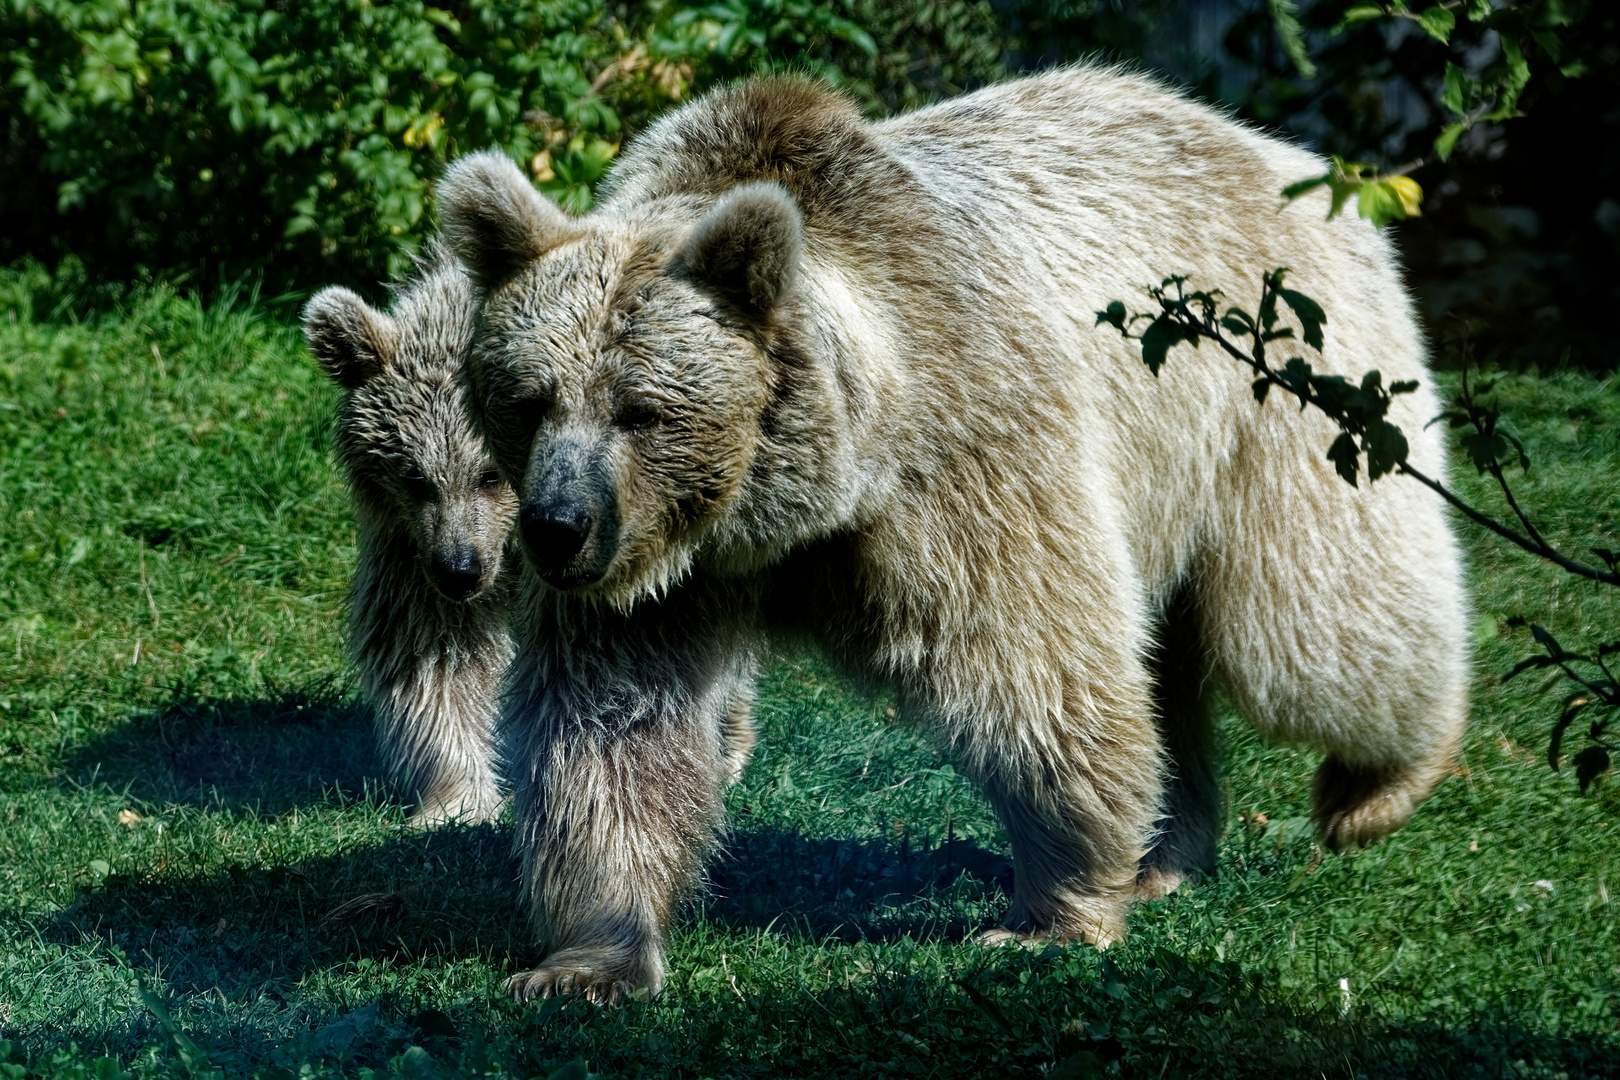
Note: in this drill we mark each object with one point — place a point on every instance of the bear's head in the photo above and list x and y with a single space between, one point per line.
415 459
622 368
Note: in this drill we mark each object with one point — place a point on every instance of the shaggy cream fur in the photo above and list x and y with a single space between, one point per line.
803 375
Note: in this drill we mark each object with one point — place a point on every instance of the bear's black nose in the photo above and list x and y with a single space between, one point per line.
555 534
457 572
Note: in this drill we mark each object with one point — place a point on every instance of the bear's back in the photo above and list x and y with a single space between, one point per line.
1085 175
982 235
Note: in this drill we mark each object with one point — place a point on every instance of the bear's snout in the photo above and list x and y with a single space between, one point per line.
554 535
569 528
457 572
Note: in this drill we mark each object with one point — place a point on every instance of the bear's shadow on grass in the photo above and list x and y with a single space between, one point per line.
256 931
451 892
265 755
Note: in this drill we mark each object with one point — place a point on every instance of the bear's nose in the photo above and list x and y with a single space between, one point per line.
555 534
457 572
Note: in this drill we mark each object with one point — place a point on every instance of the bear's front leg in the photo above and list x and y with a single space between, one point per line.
614 826
432 668
623 731
1077 783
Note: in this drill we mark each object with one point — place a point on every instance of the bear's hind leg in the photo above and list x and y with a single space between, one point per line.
1335 617
1355 805
1190 823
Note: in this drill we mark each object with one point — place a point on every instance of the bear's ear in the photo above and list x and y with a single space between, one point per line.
352 340
495 220
747 246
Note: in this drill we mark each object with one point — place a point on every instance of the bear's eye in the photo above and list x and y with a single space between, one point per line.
530 409
489 479
416 485
637 415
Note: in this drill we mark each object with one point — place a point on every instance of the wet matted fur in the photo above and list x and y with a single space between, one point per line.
800 374
428 616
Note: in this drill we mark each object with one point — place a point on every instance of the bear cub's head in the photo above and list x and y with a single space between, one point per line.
621 369
415 459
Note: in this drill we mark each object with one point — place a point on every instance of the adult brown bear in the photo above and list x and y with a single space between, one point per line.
802 374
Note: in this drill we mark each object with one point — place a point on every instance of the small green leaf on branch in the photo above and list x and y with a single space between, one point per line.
1309 313
1385 200
1439 22
1447 142
1459 90
1379 199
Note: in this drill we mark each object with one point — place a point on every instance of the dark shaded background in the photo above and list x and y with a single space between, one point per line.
1520 229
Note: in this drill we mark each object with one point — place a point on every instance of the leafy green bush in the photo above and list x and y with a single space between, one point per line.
891 55
219 138
193 133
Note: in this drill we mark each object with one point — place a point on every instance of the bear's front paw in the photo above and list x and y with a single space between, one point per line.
1098 920
458 808
594 978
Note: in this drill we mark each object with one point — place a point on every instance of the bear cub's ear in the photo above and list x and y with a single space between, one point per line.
352 340
747 246
495 220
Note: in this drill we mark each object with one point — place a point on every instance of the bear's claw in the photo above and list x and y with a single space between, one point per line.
602 978
599 988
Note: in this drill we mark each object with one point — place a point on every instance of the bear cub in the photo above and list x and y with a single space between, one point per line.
428 604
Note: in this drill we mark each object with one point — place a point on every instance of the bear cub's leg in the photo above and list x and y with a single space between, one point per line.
450 765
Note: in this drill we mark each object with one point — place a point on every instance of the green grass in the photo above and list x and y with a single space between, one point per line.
175 545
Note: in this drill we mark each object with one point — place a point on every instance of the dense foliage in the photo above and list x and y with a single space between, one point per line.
303 137
208 139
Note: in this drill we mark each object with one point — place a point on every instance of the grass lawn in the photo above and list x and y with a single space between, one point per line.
189 802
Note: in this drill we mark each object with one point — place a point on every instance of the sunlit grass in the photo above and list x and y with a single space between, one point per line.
190 799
